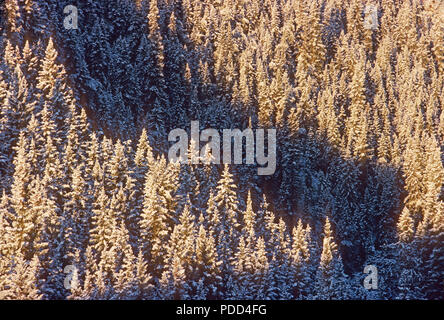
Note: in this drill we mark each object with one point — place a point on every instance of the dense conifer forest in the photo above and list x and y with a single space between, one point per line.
91 207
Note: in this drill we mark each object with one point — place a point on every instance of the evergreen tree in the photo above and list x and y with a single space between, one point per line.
227 208
331 282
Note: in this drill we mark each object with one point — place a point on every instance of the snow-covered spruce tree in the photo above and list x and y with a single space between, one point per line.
189 184
154 229
51 243
103 224
312 53
409 258
262 272
331 281
262 83
173 285
357 126
19 106
54 89
179 255
430 230
344 178
14 21
22 219
300 257
143 157
280 287
151 52
413 168
208 176
141 160
174 71
117 169
249 223
76 215
227 207
206 267
125 285
87 286
21 283
438 51
5 246
143 278
241 286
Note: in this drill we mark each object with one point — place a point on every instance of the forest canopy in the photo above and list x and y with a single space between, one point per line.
354 90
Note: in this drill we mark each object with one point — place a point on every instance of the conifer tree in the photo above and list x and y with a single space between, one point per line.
227 207
76 214
103 224
241 284
22 221
51 81
22 281
153 227
14 21
181 242
207 265
331 282
300 257
409 258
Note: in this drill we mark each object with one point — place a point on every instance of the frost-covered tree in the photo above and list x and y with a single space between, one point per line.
331 281
227 207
